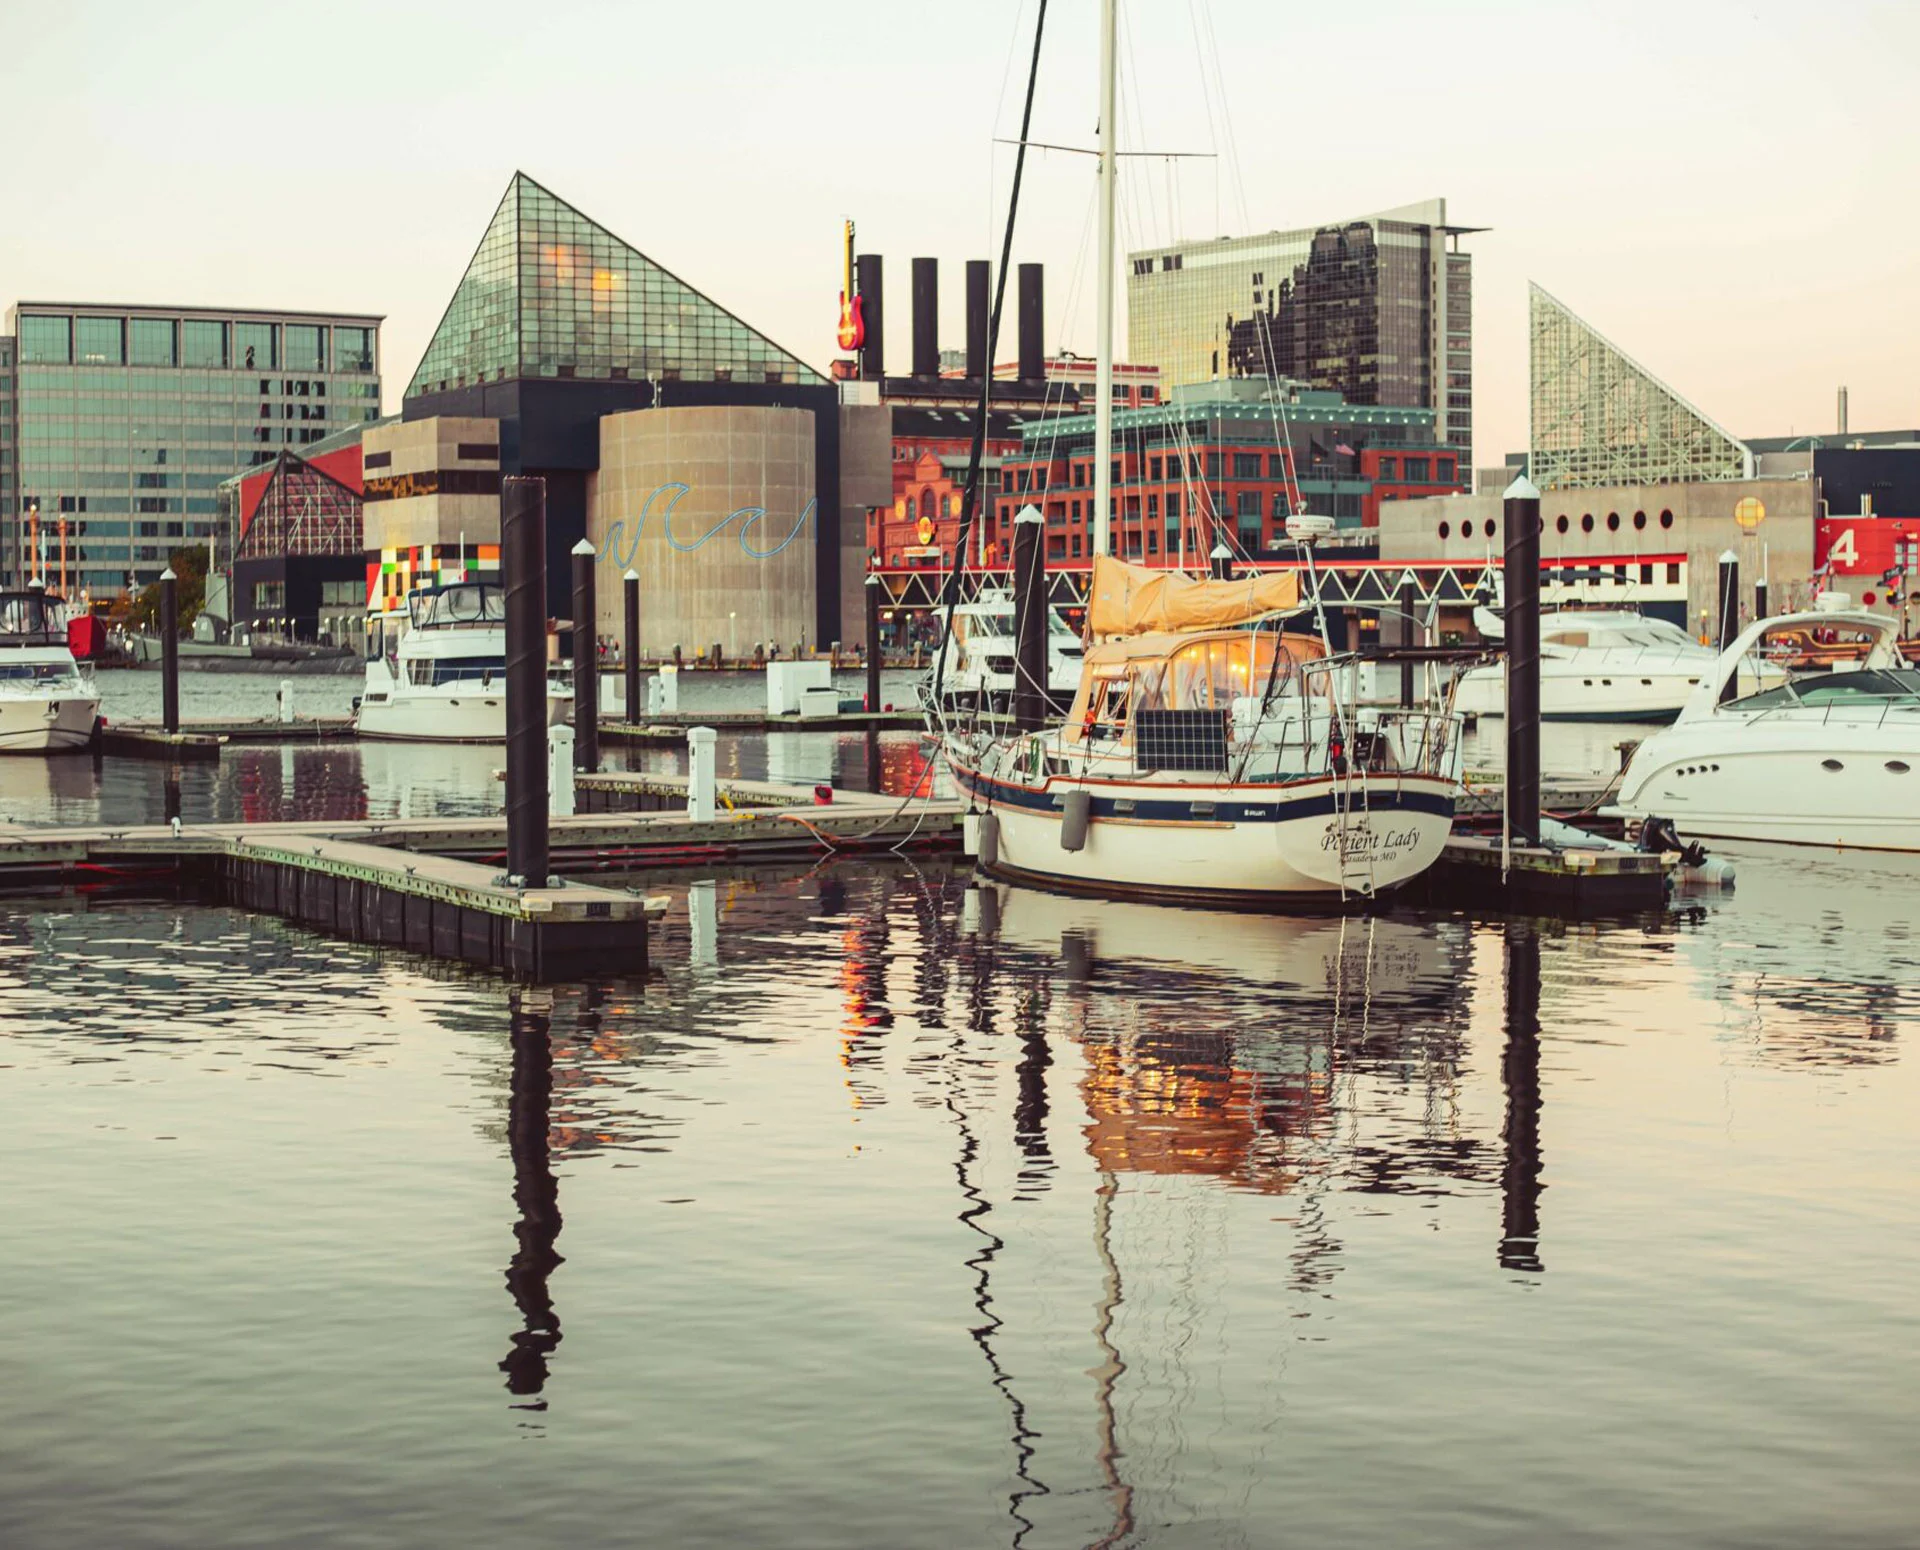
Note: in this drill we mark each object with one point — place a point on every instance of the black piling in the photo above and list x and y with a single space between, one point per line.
874 588
1221 561
1029 620
1760 598
978 306
523 569
632 583
1520 1184
586 661
1522 513
169 651
1728 621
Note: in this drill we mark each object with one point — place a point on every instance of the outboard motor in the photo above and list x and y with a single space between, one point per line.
1658 834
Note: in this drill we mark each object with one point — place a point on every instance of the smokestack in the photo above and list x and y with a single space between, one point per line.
1843 411
926 317
867 281
979 289
1033 352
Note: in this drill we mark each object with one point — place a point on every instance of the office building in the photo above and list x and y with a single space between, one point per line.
1222 460
1599 418
125 420
1378 309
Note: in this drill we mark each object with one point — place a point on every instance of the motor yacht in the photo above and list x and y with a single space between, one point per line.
977 670
1209 760
1605 665
1831 757
437 672
48 702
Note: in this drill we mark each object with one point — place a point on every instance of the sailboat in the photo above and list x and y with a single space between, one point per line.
1210 755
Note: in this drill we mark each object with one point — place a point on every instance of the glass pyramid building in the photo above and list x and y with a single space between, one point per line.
1600 418
550 294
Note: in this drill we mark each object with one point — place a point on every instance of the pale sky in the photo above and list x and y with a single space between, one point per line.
1726 190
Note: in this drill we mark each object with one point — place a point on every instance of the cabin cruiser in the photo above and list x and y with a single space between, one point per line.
1828 758
1209 760
437 673
1605 665
978 673
48 702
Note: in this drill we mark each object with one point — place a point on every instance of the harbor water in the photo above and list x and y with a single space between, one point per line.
891 1210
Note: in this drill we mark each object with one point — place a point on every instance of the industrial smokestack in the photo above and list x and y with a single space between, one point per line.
926 317
1033 352
1843 411
979 289
868 282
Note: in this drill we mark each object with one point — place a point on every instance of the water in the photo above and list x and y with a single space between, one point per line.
885 1215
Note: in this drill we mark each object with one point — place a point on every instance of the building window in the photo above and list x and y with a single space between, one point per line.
1153 540
353 349
1666 520
255 344
1640 521
1276 466
269 596
1153 469
1419 470
1389 468
150 342
474 451
1560 522
100 341
1246 465
1213 465
46 341
1446 532
1149 394
1646 575
1173 505
306 347
1074 539
1079 476
1443 469
1248 506
1673 572
929 507
1613 522
1153 506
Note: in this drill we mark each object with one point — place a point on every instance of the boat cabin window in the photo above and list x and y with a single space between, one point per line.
26 613
35 672
467 603
1573 638
447 670
1212 674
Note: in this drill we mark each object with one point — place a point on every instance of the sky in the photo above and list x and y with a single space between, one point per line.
1724 190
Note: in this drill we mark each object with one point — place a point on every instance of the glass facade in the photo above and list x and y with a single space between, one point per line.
1600 418
1378 309
550 294
123 424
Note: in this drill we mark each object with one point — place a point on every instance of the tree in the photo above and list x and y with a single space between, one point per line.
190 591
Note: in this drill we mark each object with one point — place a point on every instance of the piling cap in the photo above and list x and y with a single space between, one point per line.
873 578
1522 489
1029 513
583 547
1728 557
1221 552
168 575
631 575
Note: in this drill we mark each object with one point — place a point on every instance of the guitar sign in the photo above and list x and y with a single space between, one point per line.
852 332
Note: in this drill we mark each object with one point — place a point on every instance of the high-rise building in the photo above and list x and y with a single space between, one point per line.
1601 418
125 419
1378 309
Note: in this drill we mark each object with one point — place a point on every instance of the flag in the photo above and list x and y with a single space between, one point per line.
1343 449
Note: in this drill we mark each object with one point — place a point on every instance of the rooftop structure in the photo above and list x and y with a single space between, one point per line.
1600 418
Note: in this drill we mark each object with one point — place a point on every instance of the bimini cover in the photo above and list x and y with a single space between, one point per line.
1134 599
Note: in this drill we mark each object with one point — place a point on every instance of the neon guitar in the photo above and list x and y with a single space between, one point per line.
852 332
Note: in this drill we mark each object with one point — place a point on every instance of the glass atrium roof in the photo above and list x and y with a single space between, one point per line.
550 294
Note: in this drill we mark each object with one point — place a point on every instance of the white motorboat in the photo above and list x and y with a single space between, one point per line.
1214 765
1828 758
48 702
974 666
1605 665
437 673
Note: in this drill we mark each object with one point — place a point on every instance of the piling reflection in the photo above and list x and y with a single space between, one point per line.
536 1194
1520 1184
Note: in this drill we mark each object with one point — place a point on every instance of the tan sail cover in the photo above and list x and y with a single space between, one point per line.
1133 599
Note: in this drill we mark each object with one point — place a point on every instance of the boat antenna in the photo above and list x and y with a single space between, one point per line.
970 498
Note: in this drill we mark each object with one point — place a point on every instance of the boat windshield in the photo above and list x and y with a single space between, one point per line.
1872 686
29 613
17 673
467 603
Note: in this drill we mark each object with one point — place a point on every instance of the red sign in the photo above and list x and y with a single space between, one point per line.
1866 546
852 332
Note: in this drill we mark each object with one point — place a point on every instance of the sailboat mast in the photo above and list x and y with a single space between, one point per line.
1103 350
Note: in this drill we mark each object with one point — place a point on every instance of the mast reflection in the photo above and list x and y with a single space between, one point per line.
537 1194
1520 1184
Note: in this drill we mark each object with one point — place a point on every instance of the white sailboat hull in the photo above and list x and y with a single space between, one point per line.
1264 846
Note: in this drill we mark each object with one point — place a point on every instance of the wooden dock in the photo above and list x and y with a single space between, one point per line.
1475 872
